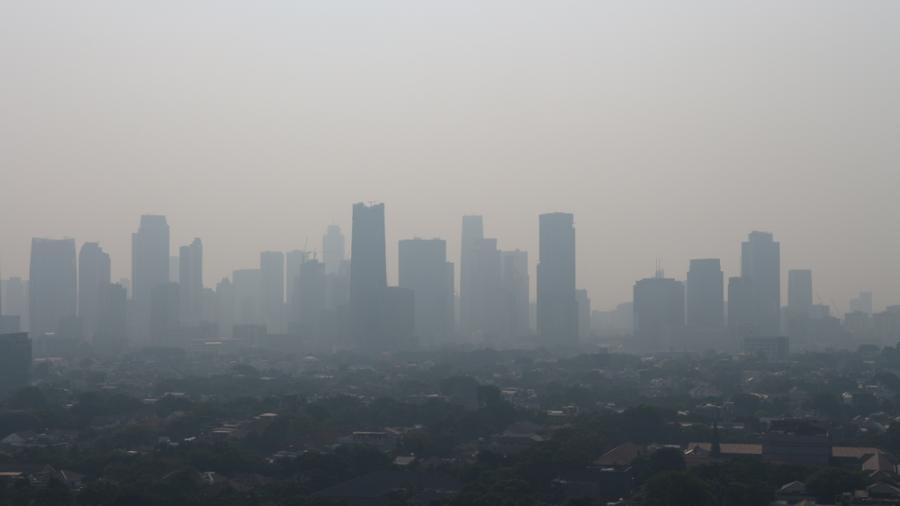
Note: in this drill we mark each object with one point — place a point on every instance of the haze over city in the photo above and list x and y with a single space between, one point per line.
668 131
407 253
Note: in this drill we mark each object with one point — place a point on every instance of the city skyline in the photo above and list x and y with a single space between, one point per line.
670 133
126 271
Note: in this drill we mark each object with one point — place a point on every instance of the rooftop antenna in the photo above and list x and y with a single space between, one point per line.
660 273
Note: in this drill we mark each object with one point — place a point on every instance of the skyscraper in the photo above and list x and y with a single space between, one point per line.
333 249
557 309
800 298
741 308
149 258
488 312
190 281
705 294
424 270
368 275
658 313
761 266
469 281
798 314
271 266
93 277
294 259
515 287
52 294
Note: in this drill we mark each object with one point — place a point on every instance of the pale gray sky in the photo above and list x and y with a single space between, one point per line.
670 129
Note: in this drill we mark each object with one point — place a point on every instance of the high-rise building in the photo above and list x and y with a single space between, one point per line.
658 313
190 281
424 270
368 275
761 266
93 278
705 294
15 361
470 285
515 286
293 260
333 249
584 314
798 313
271 266
557 309
800 293
741 308
53 282
149 258
486 320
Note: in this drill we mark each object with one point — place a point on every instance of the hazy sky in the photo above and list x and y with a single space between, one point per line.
670 129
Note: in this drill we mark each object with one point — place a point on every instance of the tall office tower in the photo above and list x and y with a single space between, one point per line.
52 294
705 294
470 285
515 286
368 275
557 309
15 300
190 281
225 307
333 249
797 314
271 267
149 258
741 308
311 297
424 270
800 298
761 266
93 278
247 290
293 260
862 303
584 314
488 313
112 323
15 361
658 313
